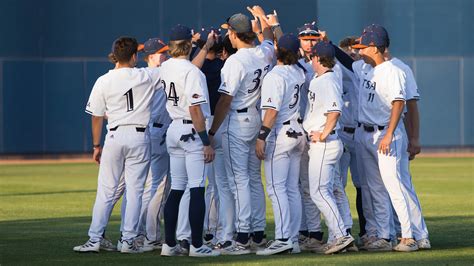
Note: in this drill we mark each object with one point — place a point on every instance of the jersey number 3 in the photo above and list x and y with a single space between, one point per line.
129 96
172 96
257 80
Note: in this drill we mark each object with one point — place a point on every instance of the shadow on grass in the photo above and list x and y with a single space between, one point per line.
49 193
50 241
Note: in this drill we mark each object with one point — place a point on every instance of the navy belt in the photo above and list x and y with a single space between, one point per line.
350 130
139 129
368 128
158 125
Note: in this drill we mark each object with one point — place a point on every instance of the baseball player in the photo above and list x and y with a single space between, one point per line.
411 145
311 235
381 102
323 111
281 143
241 77
187 142
126 94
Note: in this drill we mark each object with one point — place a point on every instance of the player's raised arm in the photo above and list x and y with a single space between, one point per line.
258 12
201 56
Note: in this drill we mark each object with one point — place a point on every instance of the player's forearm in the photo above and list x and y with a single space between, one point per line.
222 108
269 118
397 109
331 122
199 122
97 122
266 30
343 58
200 57
277 31
413 119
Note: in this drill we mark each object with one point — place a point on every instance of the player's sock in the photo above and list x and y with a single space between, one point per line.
317 235
197 210
171 216
208 237
305 233
258 236
242 238
348 231
283 239
360 212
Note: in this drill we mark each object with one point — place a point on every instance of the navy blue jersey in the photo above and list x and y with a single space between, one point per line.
212 71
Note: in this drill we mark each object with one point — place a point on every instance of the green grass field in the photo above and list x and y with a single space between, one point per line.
45 210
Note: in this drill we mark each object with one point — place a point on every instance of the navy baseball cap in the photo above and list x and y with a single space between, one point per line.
289 42
180 32
154 46
308 31
323 49
239 23
371 38
379 30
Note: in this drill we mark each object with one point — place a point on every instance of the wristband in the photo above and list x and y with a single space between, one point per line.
204 138
96 145
263 134
211 133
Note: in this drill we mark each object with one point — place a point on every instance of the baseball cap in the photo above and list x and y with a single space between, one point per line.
371 38
205 32
239 23
309 31
180 32
379 30
154 46
323 49
289 42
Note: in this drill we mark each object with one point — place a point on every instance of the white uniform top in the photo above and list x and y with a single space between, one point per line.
281 92
309 75
125 95
411 88
159 114
243 73
185 86
378 88
349 97
323 97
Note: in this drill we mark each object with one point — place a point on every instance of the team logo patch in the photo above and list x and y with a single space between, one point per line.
247 119
224 84
401 92
334 104
88 104
196 96
269 100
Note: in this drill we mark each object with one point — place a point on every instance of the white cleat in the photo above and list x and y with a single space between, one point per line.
203 251
276 247
119 245
380 245
406 245
168 251
340 244
424 243
107 245
130 247
236 249
151 245
296 248
89 246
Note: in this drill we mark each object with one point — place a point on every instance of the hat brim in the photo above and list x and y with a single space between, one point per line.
225 26
162 50
359 46
310 37
141 47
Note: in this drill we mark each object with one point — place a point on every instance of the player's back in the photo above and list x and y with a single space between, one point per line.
243 73
126 95
178 78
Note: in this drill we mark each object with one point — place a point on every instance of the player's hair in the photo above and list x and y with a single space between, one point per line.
227 45
180 48
247 37
146 58
348 42
328 62
286 57
124 48
381 49
112 58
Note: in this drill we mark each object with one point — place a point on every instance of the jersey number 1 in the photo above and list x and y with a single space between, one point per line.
371 97
129 96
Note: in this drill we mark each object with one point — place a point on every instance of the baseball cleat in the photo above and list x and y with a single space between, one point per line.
119 245
340 244
276 247
296 247
220 246
203 251
380 245
311 244
352 248
89 246
236 248
406 245
184 244
151 245
130 247
107 245
321 249
168 251
424 243
254 246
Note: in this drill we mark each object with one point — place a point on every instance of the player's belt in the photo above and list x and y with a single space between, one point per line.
187 122
245 110
139 129
158 125
350 130
299 120
368 128
332 132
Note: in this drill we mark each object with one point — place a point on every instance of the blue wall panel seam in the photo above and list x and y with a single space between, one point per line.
461 100
2 99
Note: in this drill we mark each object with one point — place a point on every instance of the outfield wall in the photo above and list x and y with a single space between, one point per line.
52 51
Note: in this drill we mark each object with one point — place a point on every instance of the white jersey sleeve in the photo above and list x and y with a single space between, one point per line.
396 84
333 97
232 75
268 50
411 90
195 87
96 105
273 90
155 77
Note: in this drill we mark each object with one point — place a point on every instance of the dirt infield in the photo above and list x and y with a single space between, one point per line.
87 158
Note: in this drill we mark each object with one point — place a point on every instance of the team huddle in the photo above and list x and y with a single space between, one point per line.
211 106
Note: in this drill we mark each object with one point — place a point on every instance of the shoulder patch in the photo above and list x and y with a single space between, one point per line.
196 96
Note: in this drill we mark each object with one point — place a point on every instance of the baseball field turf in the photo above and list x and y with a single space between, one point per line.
45 210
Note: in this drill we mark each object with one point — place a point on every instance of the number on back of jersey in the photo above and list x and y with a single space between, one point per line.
296 96
171 93
129 96
258 78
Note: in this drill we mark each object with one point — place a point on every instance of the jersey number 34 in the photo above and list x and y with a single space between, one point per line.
171 94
